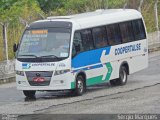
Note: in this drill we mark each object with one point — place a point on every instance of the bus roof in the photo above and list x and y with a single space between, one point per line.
97 18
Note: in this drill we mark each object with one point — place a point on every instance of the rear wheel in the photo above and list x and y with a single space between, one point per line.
80 86
29 94
122 80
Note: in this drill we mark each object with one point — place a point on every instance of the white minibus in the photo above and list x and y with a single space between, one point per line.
77 51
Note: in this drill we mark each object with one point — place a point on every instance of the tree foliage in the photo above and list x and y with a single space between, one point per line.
9 10
10 13
48 6
17 13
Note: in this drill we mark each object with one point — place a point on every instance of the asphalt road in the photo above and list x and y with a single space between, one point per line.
140 95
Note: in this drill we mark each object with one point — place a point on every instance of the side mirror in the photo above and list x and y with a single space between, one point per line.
15 47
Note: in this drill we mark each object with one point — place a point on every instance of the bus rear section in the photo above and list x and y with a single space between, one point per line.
109 49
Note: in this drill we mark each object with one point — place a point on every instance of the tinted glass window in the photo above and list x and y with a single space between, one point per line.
126 32
87 40
77 44
138 28
45 42
113 34
100 37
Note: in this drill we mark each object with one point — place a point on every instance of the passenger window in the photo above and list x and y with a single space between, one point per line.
138 28
100 37
77 44
87 40
113 33
126 32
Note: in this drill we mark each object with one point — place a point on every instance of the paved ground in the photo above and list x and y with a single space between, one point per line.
143 100
140 95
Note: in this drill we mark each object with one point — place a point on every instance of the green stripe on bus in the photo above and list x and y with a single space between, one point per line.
94 80
97 79
109 67
73 85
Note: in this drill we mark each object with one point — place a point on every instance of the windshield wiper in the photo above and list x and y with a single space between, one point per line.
29 55
50 56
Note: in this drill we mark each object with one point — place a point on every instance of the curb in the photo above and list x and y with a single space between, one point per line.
154 50
7 80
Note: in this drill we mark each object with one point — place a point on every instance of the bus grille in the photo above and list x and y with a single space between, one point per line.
34 78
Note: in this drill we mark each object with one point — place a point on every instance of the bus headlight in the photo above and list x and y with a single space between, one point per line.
21 73
58 72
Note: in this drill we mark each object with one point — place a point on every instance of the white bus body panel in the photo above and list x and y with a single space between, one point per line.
56 81
108 65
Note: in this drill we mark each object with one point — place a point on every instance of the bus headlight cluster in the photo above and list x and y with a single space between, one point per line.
21 73
58 72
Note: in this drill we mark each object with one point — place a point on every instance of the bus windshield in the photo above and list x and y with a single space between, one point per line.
50 42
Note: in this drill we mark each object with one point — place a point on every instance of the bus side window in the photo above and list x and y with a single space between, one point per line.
113 33
87 39
100 37
77 44
126 32
138 28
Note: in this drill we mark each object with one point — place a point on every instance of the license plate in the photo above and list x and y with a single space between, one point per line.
38 79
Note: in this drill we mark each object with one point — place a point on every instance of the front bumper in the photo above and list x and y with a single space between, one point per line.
59 82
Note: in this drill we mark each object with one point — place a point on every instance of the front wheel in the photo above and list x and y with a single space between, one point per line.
122 80
29 94
80 86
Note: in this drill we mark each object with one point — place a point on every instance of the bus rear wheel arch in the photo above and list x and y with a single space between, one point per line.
123 76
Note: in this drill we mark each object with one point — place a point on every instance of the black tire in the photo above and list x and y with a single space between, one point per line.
80 86
113 82
123 76
30 94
